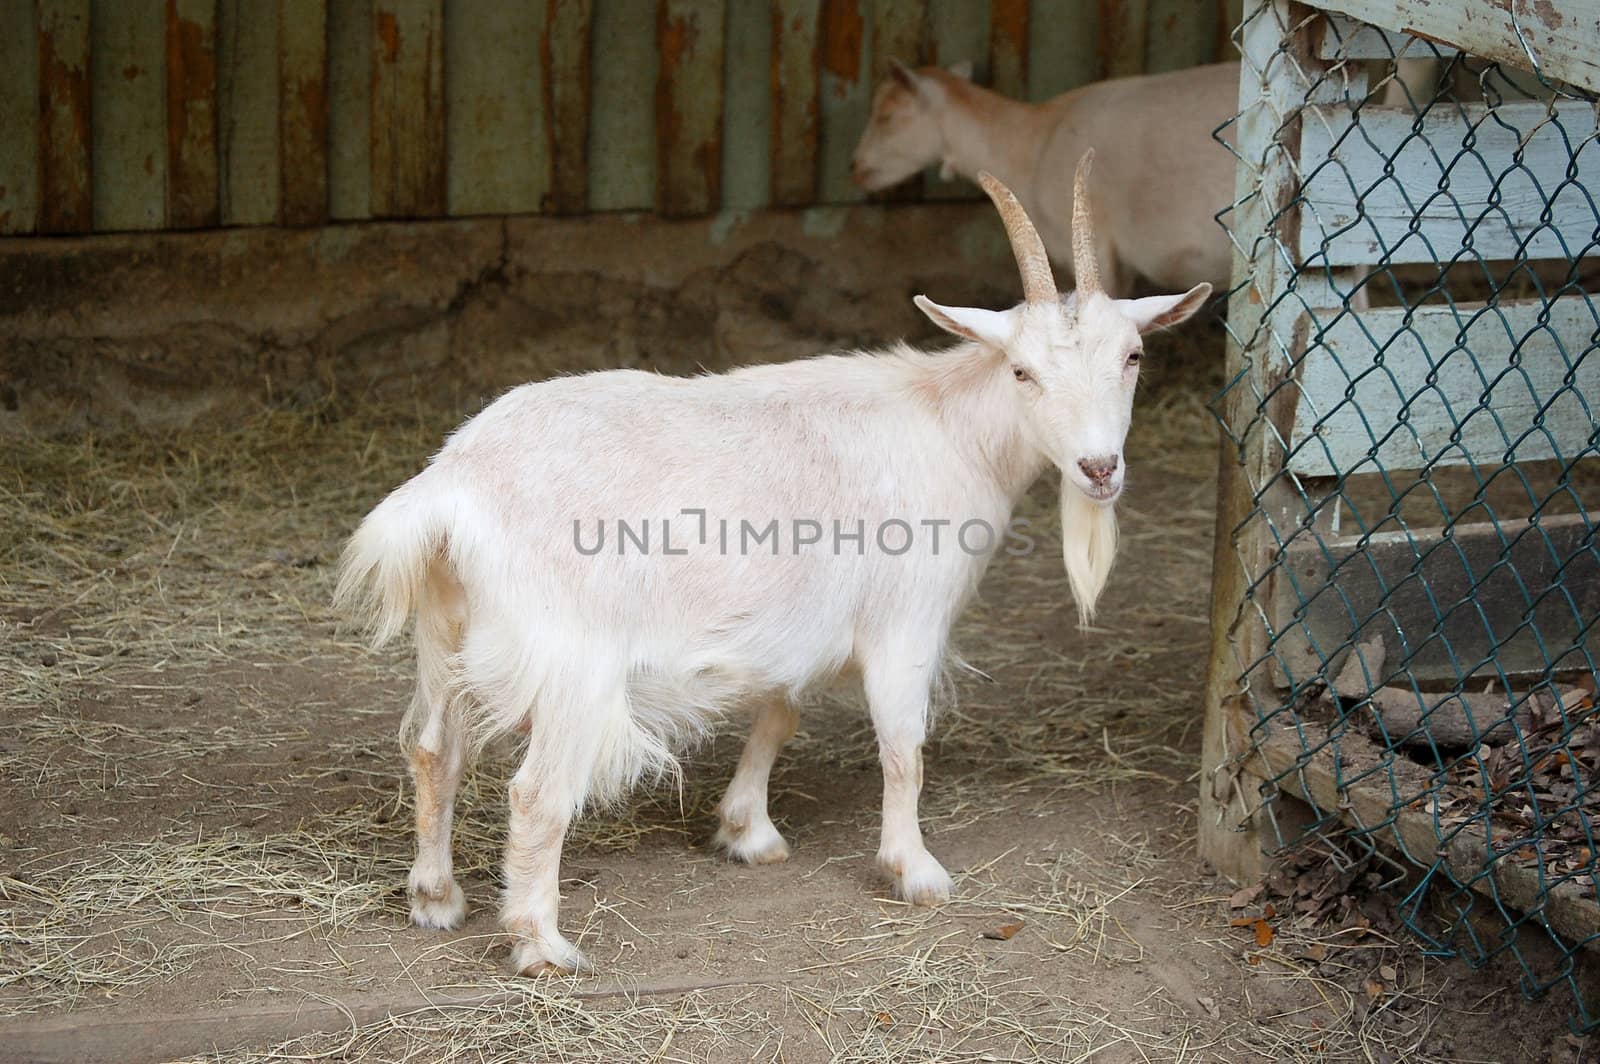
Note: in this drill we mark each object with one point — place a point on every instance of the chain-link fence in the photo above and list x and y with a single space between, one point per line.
1409 580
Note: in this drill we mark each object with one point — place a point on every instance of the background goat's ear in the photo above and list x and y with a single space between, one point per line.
903 74
1161 312
962 70
970 323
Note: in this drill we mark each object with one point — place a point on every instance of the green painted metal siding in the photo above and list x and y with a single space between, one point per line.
167 114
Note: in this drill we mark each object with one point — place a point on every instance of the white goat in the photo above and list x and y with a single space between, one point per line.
605 656
1159 179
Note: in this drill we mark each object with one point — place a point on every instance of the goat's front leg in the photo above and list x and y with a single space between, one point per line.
539 818
897 695
747 832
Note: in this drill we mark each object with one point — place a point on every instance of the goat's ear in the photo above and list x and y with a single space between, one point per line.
970 323
962 70
904 74
1161 312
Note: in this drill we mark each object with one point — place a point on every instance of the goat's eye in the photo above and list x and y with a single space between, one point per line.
1133 358
1021 374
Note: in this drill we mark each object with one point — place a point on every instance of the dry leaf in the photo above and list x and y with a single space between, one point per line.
1316 952
1244 896
1388 973
1004 932
1210 1005
1263 934
886 1019
1374 990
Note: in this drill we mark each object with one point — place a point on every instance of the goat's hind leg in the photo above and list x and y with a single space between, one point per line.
571 728
542 804
438 753
747 832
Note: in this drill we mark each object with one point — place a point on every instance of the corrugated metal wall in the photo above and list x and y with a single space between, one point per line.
182 114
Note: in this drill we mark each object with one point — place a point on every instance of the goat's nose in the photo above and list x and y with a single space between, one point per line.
1098 469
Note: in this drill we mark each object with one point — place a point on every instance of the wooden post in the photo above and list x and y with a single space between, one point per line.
796 29
66 195
19 118
303 111
957 32
1124 33
749 68
1274 86
193 188
247 93
897 33
349 111
565 53
1008 47
625 60
846 96
408 109
499 150
127 79
689 34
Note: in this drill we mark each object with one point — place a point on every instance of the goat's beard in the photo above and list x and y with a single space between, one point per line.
1088 546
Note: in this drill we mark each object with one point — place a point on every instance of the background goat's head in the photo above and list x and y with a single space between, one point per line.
1075 362
903 133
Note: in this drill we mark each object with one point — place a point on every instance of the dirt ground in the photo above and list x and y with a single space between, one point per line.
204 823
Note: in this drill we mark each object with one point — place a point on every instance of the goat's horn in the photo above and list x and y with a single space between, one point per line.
1038 283
1085 267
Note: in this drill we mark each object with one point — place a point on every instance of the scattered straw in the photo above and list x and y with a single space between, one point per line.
135 571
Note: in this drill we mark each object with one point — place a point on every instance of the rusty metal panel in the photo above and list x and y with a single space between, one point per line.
1123 37
1008 47
622 126
899 30
796 119
749 69
192 185
349 109
19 117
958 31
66 189
127 79
1181 34
689 106
1229 14
247 95
846 96
408 109
499 151
1062 51
303 112
565 55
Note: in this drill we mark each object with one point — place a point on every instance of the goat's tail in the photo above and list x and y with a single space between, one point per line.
385 564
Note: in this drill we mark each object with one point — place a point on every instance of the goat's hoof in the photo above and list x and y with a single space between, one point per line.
550 953
438 909
919 879
756 844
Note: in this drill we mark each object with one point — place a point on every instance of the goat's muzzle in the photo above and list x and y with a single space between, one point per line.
1101 473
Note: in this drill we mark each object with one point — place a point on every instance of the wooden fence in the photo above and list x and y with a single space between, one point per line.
184 114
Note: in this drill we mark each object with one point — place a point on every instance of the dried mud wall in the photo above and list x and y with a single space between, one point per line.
161 330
